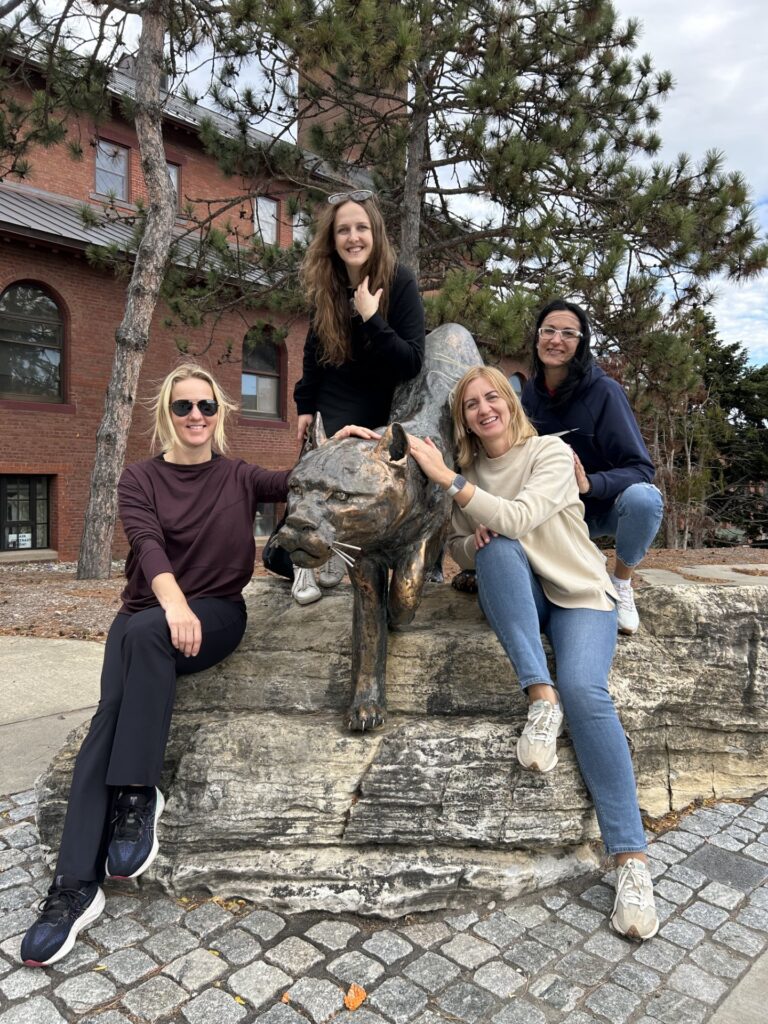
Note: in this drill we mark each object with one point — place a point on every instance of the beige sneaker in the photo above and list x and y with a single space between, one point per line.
305 589
634 910
331 573
537 746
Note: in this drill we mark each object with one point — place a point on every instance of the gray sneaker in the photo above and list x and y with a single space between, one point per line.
634 910
537 746
332 573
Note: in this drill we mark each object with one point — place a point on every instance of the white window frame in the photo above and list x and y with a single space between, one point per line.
266 213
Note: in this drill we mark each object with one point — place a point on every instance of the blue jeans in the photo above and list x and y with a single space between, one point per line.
633 519
583 640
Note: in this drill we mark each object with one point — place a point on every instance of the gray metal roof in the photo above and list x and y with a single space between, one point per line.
37 215
29 213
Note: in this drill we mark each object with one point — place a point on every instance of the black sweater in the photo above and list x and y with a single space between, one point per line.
384 353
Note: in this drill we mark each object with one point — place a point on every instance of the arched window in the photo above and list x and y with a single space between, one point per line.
261 390
31 344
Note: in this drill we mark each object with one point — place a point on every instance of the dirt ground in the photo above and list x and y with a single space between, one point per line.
44 599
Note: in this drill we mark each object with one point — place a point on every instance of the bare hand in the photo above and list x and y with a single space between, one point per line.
305 422
483 536
581 477
430 460
354 431
367 304
186 631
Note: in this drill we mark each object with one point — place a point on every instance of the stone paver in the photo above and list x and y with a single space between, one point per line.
214 1006
549 957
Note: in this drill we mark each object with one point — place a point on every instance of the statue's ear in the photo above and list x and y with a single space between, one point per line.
398 449
393 446
317 434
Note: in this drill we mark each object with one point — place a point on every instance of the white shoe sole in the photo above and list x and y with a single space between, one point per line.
159 808
633 933
91 914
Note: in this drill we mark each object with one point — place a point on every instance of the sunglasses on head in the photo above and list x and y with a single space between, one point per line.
183 406
356 197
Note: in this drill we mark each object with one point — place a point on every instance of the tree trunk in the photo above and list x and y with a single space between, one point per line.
410 231
132 336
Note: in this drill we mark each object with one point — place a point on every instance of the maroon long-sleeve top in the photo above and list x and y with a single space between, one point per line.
195 522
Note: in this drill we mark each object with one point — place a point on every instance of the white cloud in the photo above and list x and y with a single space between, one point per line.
717 56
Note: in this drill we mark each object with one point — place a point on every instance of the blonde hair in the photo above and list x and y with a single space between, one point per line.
164 434
325 280
520 427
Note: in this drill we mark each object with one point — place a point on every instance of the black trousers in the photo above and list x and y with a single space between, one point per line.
126 742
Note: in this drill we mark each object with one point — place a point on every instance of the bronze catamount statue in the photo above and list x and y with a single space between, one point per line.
371 499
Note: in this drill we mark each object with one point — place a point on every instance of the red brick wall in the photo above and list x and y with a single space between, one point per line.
59 440
54 170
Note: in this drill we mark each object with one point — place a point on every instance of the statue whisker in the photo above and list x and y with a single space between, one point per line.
341 544
342 555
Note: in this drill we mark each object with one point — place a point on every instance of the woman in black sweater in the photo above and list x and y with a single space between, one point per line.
366 333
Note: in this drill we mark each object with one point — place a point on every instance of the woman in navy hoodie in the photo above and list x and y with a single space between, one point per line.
571 396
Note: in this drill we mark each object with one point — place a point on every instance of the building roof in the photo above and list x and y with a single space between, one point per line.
47 217
57 221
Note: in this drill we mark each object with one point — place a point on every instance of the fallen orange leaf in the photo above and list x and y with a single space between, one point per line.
285 998
355 996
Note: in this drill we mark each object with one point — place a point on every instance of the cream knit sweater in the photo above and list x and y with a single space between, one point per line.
530 494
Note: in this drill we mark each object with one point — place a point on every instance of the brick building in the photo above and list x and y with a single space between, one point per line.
58 316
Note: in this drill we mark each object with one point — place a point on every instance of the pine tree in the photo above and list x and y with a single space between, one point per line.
513 142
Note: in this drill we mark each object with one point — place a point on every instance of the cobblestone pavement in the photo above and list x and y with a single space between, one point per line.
544 958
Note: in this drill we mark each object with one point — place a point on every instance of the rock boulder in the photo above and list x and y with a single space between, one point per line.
269 797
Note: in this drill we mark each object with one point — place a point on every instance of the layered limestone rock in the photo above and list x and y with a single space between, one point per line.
269 797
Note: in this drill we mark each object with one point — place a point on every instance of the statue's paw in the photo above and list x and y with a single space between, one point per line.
365 717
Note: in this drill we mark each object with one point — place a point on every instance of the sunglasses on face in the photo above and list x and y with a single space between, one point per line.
356 197
183 406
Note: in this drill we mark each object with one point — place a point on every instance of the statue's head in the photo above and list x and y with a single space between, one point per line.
348 492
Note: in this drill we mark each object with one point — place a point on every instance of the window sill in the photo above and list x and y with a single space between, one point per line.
30 405
257 420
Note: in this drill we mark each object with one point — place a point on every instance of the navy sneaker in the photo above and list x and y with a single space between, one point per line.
70 906
134 844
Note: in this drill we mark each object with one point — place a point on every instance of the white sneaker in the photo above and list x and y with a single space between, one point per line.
634 910
305 589
629 620
332 573
537 746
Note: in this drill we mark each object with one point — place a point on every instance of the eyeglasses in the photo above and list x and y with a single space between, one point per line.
183 406
356 197
566 333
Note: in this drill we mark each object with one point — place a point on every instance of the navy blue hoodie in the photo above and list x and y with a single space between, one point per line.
604 435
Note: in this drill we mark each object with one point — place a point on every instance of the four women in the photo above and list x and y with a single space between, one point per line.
188 515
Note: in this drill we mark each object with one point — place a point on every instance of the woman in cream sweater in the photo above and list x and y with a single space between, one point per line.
518 520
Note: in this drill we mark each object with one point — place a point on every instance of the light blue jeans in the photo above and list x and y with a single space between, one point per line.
583 640
633 519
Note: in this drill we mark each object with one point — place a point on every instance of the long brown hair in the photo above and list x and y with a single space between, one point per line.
520 427
324 278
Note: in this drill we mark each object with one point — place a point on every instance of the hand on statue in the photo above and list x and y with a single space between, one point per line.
186 631
366 303
430 460
351 430
582 481
304 423
483 536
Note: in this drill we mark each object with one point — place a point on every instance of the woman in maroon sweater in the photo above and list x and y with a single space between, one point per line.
188 515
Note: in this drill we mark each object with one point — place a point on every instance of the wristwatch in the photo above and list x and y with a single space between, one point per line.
458 483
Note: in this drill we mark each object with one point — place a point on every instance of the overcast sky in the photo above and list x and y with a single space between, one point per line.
718 55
